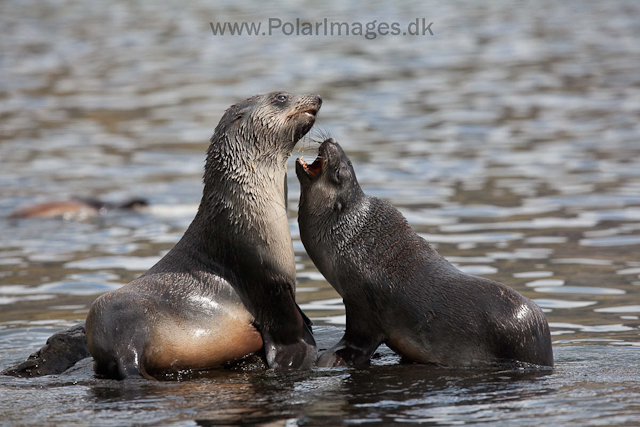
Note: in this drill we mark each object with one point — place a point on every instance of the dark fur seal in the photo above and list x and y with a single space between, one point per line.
227 289
398 290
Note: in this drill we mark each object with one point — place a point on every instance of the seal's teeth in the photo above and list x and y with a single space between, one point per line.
304 164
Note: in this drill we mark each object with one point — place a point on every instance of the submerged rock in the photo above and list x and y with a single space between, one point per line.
62 350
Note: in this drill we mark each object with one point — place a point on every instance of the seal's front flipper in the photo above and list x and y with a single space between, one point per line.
346 353
291 351
356 346
290 344
299 355
306 319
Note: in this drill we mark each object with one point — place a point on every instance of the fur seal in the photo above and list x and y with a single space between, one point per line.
227 289
73 208
398 290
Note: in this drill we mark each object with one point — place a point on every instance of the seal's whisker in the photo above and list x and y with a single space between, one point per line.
310 143
307 145
320 132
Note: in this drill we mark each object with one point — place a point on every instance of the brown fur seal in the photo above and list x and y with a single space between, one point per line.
398 290
73 208
227 289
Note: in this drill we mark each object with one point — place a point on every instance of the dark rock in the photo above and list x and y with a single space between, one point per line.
62 350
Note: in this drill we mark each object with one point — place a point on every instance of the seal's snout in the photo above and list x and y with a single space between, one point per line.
313 111
308 107
330 150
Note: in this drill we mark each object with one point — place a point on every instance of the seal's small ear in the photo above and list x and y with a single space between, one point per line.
240 114
336 177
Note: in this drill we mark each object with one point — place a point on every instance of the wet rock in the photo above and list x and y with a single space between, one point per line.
62 350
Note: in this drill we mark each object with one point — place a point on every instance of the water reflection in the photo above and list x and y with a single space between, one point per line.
580 290
532 274
126 262
545 282
555 303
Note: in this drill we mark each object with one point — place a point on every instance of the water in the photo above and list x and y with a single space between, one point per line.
510 140
590 386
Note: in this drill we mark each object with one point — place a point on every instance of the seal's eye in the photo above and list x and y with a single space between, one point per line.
282 97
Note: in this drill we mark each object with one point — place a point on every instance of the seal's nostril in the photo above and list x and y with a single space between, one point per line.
319 99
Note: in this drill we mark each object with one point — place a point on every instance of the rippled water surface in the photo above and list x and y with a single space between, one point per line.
510 140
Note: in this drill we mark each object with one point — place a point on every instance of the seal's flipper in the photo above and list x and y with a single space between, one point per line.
355 348
300 354
288 343
361 339
305 318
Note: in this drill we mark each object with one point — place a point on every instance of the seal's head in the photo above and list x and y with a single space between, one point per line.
265 126
245 172
333 208
247 157
329 185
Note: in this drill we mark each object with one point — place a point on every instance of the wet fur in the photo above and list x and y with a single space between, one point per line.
398 290
227 289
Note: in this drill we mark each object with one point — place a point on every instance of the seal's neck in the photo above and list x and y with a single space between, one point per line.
246 191
251 201
242 218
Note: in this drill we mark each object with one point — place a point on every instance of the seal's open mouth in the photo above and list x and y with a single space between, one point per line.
314 169
309 112
312 112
